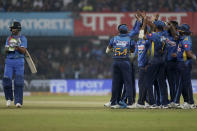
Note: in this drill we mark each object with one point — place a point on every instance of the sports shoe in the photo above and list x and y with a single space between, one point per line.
147 105
136 106
18 105
139 106
107 104
174 105
164 107
133 106
154 106
192 106
8 103
116 106
186 105
123 104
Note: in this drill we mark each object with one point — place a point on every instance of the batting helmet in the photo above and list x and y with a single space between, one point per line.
15 25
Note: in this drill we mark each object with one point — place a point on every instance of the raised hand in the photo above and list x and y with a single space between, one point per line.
138 15
155 17
143 14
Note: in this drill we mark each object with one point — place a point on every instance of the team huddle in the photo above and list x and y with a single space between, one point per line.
163 52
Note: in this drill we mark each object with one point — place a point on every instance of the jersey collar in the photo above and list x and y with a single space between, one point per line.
123 35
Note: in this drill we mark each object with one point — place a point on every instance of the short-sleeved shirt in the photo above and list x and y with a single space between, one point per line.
171 47
22 41
121 44
142 47
155 47
185 44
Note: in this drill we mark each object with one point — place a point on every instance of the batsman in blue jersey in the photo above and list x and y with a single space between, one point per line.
184 66
15 49
121 45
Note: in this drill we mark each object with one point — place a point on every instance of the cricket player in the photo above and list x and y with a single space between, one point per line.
15 49
184 66
154 69
171 57
169 61
122 45
131 34
141 52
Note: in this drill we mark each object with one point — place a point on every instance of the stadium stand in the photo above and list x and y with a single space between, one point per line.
98 5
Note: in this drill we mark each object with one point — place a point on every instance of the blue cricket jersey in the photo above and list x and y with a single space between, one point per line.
121 44
155 48
22 43
171 47
142 50
185 44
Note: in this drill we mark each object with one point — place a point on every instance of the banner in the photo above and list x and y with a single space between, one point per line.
90 87
81 87
106 23
89 24
39 24
194 30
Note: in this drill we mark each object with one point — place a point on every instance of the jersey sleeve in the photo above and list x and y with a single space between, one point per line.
187 45
23 42
135 29
111 42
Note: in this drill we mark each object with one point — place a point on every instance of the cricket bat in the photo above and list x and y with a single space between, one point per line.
30 62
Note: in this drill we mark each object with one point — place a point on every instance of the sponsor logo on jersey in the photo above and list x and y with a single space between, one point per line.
140 47
186 45
122 43
172 43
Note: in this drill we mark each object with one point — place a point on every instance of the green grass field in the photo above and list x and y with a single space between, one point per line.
86 113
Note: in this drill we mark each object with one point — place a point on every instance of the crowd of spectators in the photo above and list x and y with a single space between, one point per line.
72 60
98 5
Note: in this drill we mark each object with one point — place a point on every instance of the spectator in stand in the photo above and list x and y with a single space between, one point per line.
38 5
98 5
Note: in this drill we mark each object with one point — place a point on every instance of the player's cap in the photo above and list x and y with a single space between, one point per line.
123 28
184 28
15 25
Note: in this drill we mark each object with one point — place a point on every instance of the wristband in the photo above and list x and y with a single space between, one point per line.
141 34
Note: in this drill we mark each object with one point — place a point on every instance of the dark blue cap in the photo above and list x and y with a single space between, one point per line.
185 28
123 28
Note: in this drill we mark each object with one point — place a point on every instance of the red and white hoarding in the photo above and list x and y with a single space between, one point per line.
95 24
